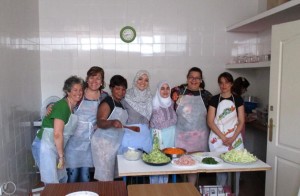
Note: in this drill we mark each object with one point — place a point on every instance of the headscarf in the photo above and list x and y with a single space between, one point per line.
140 101
158 100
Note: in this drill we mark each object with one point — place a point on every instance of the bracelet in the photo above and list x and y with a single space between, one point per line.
61 156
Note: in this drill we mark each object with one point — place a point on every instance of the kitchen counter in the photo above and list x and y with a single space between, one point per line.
257 125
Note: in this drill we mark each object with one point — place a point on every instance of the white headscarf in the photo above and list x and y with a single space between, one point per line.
158 100
140 101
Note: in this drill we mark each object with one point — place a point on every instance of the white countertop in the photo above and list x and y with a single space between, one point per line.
139 168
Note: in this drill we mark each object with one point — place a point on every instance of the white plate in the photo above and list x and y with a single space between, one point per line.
238 163
83 193
198 154
185 166
216 158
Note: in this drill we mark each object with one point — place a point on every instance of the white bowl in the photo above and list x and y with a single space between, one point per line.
82 193
132 154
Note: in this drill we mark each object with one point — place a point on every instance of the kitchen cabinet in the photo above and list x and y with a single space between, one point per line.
256 139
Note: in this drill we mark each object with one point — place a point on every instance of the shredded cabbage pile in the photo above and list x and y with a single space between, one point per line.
238 156
156 156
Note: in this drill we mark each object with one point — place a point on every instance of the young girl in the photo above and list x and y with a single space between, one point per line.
225 118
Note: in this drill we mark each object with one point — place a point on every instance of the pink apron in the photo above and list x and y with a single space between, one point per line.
191 128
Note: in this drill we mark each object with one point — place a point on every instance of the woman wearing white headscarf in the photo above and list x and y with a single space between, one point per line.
164 118
162 122
138 103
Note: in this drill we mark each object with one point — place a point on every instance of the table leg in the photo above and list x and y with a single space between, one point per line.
237 183
234 180
174 178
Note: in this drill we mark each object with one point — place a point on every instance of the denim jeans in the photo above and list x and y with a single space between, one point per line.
81 174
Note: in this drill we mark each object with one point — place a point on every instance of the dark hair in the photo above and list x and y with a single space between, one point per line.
196 69
227 76
94 71
239 84
69 83
117 80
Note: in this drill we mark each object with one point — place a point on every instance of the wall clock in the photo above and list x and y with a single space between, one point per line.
127 34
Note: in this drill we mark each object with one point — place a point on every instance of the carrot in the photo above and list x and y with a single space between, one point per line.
173 151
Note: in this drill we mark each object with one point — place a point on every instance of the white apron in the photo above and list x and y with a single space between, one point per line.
105 144
191 128
79 144
226 120
49 155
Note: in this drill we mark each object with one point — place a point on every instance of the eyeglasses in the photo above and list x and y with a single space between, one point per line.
193 78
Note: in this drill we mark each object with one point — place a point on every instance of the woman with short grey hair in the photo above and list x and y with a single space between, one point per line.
56 129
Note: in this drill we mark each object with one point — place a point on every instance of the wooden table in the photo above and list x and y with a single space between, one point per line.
170 189
115 188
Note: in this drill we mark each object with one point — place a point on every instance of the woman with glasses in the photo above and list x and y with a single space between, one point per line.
191 108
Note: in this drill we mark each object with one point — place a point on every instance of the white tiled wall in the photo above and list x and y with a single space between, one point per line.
172 36
42 42
20 89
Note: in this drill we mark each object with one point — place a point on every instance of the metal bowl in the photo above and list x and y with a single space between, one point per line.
174 152
132 154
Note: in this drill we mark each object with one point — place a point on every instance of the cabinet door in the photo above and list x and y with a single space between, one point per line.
283 146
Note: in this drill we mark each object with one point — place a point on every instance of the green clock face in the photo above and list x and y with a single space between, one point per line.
127 34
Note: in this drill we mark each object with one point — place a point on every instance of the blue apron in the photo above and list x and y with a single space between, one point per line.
49 155
79 145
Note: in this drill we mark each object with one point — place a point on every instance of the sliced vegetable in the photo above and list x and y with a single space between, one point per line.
209 160
238 156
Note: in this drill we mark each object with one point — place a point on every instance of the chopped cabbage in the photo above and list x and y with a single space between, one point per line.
156 156
238 156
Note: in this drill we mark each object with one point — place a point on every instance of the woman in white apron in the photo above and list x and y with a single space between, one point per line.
226 117
57 127
78 150
191 128
138 104
163 122
108 137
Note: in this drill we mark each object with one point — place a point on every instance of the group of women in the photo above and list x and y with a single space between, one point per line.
88 128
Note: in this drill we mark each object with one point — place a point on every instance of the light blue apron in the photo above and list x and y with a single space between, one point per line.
49 155
79 145
141 140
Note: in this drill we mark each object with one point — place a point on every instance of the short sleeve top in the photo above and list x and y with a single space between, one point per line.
109 100
60 110
214 101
